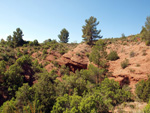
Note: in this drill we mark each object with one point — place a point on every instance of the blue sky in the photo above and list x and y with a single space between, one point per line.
43 19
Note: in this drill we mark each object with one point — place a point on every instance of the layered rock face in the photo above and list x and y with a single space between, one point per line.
76 59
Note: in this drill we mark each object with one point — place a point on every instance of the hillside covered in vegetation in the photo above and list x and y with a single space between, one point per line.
94 76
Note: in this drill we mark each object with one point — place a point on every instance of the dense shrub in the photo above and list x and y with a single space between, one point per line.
98 53
90 103
24 60
66 103
147 42
44 51
8 106
19 54
147 108
2 67
5 56
112 56
93 103
45 91
25 51
132 54
143 90
13 79
24 95
124 63
113 93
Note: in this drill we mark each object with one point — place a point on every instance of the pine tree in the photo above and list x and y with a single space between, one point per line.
17 37
147 26
63 36
145 33
90 32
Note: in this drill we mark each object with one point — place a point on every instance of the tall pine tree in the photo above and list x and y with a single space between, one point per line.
63 36
90 32
17 37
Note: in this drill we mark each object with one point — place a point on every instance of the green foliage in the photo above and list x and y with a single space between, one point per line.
143 90
13 79
45 91
47 41
146 31
19 54
147 26
9 41
24 60
93 103
112 56
124 63
90 32
67 104
99 100
95 75
35 42
24 95
76 104
64 70
25 51
147 42
98 53
8 107
3 42
44 51
4 56
71 82
113 94
132 54
63 36
123 36
16 39
143 33
30 44
95 56
36 66
147 108
2 67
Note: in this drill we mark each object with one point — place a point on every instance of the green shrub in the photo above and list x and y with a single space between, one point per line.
62 52
24 45
78 54
8 106
144 52
124 63
55 63
112 56
44 57
113 93
138 65
147 42
19 54
143 90
24 60
44 51
5 56
132 54
147 108
25 51
87 54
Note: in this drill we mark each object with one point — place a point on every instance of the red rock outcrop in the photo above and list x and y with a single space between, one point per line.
139 64
76 58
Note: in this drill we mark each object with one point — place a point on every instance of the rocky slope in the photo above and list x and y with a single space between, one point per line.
138 55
